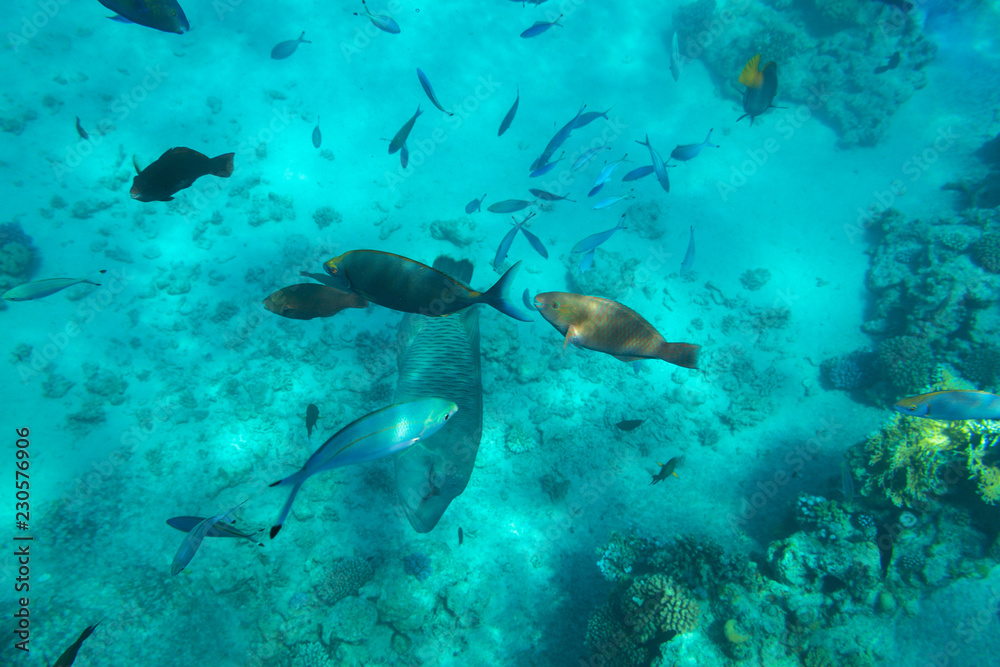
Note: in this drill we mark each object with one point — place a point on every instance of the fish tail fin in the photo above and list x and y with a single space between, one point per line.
222 166
644 143
497 296
680 354
285 509
91 282
751 76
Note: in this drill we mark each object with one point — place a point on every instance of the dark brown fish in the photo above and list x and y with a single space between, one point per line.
460 535
666 469
892 64
176 169
630 424
312 414
762 86
406 285
306 301
79 130
69 655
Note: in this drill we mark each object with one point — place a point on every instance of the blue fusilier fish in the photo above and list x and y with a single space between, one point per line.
689 255
508 239
69 655
594 240
558 140
509 206
376 435
505 243
383 22
955 405
658 167
284 49
602 178
426 84
42 288
588 156
404 132
637 173
317 135
400 283
686 152
548 196
762 86
440 356
535 242
189 547
540 26
186 524
475 205
165 15
546 168
509 118
611 201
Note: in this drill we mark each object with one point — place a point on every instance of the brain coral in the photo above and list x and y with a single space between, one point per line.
987 252
345 577
652 604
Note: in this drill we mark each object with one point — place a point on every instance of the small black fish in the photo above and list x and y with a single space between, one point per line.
666 469
892 64
312 414
79 130
884 542
630 424
69 655
317 135
176 169
460 535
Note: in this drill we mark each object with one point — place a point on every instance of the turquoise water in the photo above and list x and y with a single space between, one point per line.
170 391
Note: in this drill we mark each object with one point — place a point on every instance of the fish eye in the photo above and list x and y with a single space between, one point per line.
555 305
333 270
447 416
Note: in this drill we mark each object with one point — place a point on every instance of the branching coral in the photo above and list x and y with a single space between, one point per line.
905 455
982 436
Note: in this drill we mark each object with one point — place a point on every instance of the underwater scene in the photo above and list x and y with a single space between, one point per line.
529 333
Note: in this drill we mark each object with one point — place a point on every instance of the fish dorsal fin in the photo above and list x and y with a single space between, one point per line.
751 75
135 163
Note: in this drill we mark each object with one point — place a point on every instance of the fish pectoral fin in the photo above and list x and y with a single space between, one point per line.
572 336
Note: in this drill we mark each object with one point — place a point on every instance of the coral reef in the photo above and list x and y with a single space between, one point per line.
754 279
517 440
418 565
344 577
826 66
856 370
18 257
907 362
324 216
